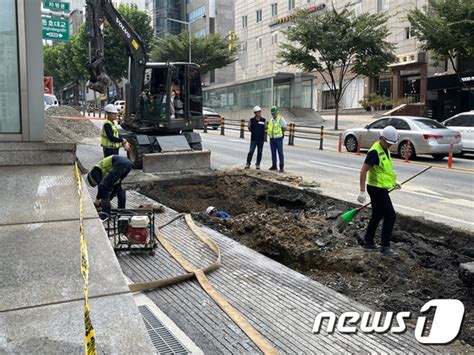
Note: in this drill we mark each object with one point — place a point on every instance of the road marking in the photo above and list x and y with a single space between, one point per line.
461 202
423 194
436 215
334 165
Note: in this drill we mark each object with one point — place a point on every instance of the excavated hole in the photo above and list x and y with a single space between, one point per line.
296 228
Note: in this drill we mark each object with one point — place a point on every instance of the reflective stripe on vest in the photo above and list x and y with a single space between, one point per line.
382 175
105 142
274 129
105 165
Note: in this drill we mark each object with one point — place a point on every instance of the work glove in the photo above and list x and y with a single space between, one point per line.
398 186
362 197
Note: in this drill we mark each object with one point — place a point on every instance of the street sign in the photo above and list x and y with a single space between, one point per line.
48 84
55 29
56 5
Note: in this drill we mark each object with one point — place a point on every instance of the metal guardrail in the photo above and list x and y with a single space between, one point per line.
294 131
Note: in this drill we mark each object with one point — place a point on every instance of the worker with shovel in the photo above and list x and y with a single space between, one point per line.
108 175
381 179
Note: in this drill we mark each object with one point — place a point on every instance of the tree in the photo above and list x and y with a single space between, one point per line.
338 43
446 29
116 58
210 52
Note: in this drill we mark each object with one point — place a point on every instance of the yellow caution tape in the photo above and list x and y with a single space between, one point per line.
89 335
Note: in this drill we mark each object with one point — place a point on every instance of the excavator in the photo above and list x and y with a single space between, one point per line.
163 101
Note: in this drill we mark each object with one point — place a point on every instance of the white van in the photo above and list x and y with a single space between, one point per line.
50 100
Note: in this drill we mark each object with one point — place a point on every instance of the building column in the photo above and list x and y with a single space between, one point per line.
395 84
423 82
296 91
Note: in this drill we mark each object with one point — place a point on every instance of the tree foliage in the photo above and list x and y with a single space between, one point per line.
210 52
446 29
67 62
336 44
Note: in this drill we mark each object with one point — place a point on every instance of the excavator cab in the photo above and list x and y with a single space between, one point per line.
172 98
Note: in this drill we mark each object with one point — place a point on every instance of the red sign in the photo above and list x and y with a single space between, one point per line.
48 85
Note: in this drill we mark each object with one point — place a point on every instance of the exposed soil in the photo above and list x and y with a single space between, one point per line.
296 227
65 130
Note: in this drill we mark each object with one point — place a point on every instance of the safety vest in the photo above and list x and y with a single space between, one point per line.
274 129
382 175
105 142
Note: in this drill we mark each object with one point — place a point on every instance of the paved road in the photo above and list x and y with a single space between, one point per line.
441 194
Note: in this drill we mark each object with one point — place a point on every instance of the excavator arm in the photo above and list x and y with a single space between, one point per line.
96 13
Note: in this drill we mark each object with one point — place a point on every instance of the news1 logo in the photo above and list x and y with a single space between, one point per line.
445 326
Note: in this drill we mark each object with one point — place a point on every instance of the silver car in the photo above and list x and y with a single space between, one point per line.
426 136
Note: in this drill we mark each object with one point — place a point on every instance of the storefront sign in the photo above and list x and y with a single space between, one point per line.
284 19
55 29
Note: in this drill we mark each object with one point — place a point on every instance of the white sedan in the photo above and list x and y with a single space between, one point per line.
463 123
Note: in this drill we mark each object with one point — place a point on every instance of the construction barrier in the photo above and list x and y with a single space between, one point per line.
339 144
321 138
222 127
358 144
242 128
450 158
205 126
407 152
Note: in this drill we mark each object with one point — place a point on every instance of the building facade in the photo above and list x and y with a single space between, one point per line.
162 11
207 17
260 29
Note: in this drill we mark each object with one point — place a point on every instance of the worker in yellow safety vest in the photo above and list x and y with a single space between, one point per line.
110 137
382 178
276 131
107 175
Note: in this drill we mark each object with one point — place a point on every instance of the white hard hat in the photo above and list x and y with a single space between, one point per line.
390 135
210 209
110 108
257 108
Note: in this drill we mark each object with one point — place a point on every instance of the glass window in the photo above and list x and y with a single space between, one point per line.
428 124
259 15
9 79
400 124
380 124
382 5
244 21
274 9
197 14
291 4
200 33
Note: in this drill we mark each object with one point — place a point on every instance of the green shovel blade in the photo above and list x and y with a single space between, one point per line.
349 215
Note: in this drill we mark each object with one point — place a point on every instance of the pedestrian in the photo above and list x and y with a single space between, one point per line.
214 212
382 178
276 132
111 140
257 126
108 175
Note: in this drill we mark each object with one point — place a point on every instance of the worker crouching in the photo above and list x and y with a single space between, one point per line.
107 175
382 178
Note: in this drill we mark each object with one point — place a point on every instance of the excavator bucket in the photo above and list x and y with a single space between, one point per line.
177 161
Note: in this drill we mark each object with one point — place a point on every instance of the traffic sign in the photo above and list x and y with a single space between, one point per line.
55 29
48 84
56 5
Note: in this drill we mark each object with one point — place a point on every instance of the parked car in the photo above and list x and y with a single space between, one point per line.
426 136
211 117
49 101
463 123
120 105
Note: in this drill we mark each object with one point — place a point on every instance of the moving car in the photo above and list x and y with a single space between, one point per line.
120 105
50 100
211 118
426 136
463 123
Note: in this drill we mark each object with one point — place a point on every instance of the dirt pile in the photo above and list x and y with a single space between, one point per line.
67 130
296 228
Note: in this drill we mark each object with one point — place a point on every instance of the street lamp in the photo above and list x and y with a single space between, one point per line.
189 32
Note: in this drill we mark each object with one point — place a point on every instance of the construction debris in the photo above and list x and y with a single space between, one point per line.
60 129
466 273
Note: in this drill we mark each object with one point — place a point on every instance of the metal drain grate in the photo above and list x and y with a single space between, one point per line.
163 340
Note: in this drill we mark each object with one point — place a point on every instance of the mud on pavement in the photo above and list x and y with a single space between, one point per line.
295 226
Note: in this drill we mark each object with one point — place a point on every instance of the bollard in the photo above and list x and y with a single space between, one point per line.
321 138
93 113
291 136
407 152
205 126
294 133
450 158
358 145
242 128
339 145
222 127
